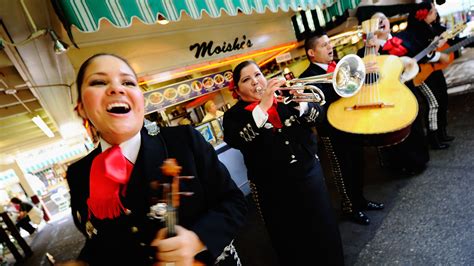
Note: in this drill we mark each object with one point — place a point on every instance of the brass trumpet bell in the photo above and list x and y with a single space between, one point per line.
347 79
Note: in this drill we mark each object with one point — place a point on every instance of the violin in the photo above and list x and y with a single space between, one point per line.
171 196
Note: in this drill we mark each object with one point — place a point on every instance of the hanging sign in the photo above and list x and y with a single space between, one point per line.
209 49
160 98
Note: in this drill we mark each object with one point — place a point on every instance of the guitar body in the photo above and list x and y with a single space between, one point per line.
428 68
370 112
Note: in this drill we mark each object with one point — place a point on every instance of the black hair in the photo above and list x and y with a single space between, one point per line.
15 200
412 15
422 30
83 68
238 69
311 41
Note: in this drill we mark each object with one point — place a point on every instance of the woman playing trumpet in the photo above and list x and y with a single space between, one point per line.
287 183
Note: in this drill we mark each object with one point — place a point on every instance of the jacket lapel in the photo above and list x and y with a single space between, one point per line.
317 70
87 163
146 169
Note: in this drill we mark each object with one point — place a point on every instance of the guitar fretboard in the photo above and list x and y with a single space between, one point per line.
458 45
426 51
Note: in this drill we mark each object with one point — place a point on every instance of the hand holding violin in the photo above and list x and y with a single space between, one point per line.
179 249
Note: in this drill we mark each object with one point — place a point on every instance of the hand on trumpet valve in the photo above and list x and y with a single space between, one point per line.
268 92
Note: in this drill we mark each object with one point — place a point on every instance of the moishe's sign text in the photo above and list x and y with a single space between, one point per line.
209 48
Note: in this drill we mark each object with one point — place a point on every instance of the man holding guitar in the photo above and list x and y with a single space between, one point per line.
345 152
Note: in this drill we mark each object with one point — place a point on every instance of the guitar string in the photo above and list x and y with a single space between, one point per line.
377 76
371 85
361 93
368 92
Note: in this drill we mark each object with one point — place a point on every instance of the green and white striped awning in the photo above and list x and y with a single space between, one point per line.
86 14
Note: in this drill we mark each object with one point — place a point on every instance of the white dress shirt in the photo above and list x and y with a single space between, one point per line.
129 148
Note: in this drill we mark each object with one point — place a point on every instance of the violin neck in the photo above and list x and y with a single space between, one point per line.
171 222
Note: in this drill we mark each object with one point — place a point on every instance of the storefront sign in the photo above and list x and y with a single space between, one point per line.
161 50
209 49
160 98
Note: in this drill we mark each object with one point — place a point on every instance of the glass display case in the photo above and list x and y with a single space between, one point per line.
212 131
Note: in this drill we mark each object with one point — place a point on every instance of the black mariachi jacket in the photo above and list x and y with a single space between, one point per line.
265 149
214 212
329 94
417 37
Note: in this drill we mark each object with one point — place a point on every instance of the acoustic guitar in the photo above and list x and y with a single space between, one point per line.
428 68
384 109
449 34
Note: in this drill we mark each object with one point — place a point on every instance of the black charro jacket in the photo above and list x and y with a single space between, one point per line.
330 95
266 150
214 212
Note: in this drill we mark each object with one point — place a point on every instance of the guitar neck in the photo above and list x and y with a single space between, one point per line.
426 51
458 45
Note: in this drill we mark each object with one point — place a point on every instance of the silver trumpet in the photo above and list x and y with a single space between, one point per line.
347 79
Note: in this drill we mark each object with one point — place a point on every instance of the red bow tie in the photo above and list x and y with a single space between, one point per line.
394 46
331 67
273 116
109 170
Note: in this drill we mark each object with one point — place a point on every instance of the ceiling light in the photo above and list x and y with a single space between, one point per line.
10 91
162 20
42 125
58 46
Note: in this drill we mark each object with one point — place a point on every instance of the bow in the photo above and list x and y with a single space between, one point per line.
394 46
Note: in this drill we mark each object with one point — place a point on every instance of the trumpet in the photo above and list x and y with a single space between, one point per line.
347 79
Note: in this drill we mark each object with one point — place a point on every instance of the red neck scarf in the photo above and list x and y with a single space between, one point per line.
394 46
109 170
273 116
331 67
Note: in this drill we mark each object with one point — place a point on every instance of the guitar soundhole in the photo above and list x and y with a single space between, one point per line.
371 78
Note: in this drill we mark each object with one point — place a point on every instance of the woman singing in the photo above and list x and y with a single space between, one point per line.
287 183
